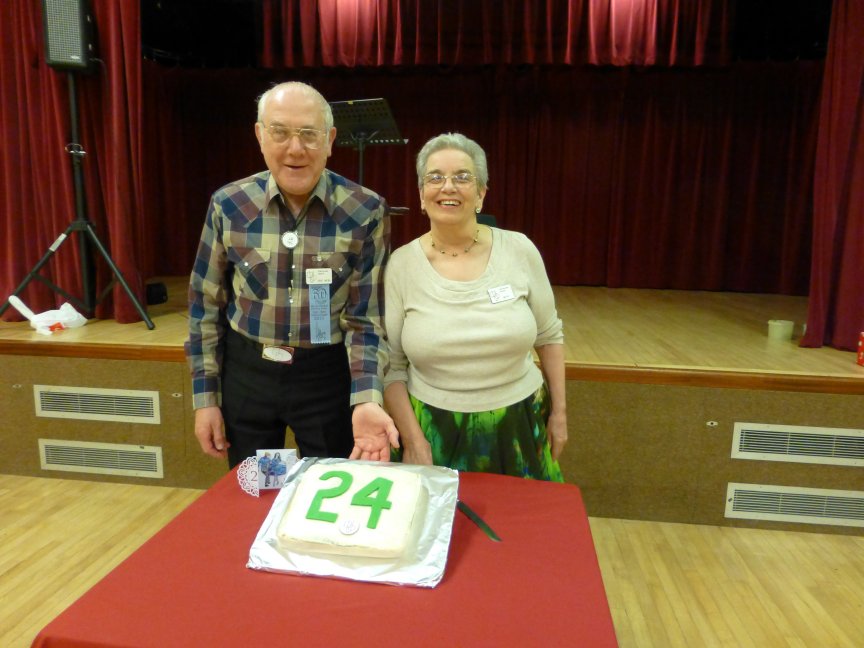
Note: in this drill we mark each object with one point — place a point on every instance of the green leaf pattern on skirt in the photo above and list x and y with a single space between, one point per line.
509 440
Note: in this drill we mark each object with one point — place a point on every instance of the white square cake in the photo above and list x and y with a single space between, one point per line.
352 509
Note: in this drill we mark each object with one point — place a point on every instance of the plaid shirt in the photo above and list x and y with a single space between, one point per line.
242 277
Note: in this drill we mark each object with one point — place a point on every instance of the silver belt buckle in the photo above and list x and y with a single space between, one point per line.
283 354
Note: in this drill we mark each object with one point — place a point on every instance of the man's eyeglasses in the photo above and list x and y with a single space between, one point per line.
311 138
438 179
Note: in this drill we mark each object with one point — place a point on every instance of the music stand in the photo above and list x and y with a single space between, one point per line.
86 235
363 122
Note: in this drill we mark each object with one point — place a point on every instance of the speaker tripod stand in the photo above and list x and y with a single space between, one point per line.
86 235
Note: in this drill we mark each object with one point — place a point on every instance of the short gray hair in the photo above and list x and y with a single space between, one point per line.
458 142
303 88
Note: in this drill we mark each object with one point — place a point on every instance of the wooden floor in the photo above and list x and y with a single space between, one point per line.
631 335
668 584
59 537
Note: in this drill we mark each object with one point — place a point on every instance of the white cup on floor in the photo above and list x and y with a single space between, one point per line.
780 329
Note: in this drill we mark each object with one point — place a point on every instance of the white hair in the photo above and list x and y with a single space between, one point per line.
458 142
302 88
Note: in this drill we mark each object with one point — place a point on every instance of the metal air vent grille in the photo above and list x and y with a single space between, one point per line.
87 403
798 444
795 504
101 458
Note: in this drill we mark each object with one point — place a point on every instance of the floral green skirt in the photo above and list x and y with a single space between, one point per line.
508 441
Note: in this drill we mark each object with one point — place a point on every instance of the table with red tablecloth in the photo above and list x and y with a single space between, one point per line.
189 585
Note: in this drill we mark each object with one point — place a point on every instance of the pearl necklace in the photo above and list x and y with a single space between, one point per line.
464 251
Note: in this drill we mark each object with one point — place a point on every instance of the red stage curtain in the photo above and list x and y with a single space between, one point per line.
658 32
836 314
113 115
358 33
688 179
199 127
38 197
685 177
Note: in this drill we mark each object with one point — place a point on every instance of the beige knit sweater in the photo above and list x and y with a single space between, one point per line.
453 344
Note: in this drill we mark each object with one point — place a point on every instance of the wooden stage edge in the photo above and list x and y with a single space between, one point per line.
643 336
716 378
679 376
140 352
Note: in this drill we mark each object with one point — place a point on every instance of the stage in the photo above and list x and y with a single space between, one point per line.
656 381
619 335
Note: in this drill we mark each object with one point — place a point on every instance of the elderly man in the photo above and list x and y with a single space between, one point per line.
288 276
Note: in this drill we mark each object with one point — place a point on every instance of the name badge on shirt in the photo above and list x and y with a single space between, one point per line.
319 276
319 313
501 294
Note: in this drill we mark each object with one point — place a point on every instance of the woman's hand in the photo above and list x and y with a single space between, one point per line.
552 364
418 452
556 433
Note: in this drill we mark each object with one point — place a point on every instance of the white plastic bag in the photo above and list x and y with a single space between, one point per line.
49 321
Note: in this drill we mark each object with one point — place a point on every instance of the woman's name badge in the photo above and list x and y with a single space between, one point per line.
501 293
290 240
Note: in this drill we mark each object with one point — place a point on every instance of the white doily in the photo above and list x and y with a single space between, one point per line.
247 475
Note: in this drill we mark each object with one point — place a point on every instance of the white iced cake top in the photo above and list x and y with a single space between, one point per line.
352 509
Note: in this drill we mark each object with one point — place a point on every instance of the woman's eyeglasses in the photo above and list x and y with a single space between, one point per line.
439 179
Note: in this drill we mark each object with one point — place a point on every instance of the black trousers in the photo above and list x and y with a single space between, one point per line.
260 398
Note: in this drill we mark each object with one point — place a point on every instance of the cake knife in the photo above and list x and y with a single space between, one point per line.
476 519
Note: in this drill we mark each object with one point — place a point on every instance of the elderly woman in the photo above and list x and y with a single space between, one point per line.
466 304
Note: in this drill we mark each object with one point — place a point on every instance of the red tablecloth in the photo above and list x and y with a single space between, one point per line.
189 585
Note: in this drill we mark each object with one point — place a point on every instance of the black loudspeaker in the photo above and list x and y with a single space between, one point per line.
157 293
69 34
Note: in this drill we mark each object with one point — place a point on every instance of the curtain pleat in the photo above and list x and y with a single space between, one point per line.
836 306
334 33
112 112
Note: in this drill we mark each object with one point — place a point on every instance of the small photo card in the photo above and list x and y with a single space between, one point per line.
273 465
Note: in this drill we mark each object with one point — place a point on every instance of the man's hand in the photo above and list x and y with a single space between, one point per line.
374 433
210 431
